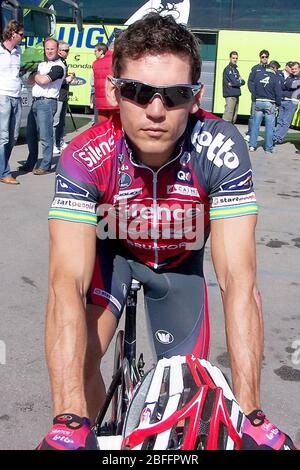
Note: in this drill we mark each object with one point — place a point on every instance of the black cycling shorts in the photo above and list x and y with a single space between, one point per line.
175 300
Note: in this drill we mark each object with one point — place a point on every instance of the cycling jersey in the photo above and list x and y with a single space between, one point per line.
162 215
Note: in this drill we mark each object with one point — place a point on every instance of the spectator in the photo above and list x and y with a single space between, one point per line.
232 83
10 96
102 68
263 62
62 103
45 92
287 70
288 104
100 51
267 94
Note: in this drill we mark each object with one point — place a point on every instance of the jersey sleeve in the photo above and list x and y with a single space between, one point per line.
227 169
76 192
55 72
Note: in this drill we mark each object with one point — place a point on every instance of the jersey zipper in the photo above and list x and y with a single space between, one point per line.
154 188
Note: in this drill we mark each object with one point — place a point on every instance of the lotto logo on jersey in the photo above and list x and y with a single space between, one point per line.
218 147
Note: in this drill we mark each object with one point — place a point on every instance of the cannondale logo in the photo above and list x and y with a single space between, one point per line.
164 337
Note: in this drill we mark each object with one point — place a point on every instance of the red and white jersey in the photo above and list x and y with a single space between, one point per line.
159 215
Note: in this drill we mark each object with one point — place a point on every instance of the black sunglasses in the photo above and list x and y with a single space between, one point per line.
142 93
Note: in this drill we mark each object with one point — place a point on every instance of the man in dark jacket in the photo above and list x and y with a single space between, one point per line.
263 62
289 103
266 93
232 83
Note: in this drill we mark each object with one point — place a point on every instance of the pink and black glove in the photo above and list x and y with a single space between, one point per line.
260 434
69 432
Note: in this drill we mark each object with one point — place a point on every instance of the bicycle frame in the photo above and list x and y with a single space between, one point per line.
127 372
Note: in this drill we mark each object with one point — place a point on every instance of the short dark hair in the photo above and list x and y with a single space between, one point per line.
274 64
155 34
12 26
290 63
233 53
101 47
264 52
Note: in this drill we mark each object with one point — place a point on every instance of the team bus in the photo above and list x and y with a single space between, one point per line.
39 20
221 26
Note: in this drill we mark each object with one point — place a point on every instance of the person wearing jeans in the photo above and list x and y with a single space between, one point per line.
267 94
38 127
62 103
260 67
263 110
45 92
10 96
288 104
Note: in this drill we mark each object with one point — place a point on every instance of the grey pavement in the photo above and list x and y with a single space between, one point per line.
25 406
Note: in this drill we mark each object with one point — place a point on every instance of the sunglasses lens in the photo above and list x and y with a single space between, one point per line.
177 95
142 94
129 91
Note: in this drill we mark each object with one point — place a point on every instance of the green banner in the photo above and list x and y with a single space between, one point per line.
81 56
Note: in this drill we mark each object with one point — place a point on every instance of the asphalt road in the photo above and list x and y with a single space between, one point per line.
25 406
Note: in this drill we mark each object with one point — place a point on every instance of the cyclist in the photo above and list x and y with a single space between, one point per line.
162 175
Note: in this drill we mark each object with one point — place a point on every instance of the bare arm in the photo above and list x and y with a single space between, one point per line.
234 258
42 79
72 257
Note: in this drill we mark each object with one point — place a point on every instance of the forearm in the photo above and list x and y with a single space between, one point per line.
66 340
244 332
41 79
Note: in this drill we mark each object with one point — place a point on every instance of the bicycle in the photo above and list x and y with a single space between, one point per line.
127 372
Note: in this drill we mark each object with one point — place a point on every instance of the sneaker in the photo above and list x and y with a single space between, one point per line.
56 150
246 137
252 149
63 145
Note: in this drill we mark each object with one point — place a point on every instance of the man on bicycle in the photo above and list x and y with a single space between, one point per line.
161 176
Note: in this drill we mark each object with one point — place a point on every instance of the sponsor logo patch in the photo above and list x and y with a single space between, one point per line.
218 147
75 204
127 193
233 200
164 337
94 153
184 176
181 189
240 183
125 180
65 186
106 295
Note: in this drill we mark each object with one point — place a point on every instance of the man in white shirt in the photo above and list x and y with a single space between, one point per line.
10 96
45 92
